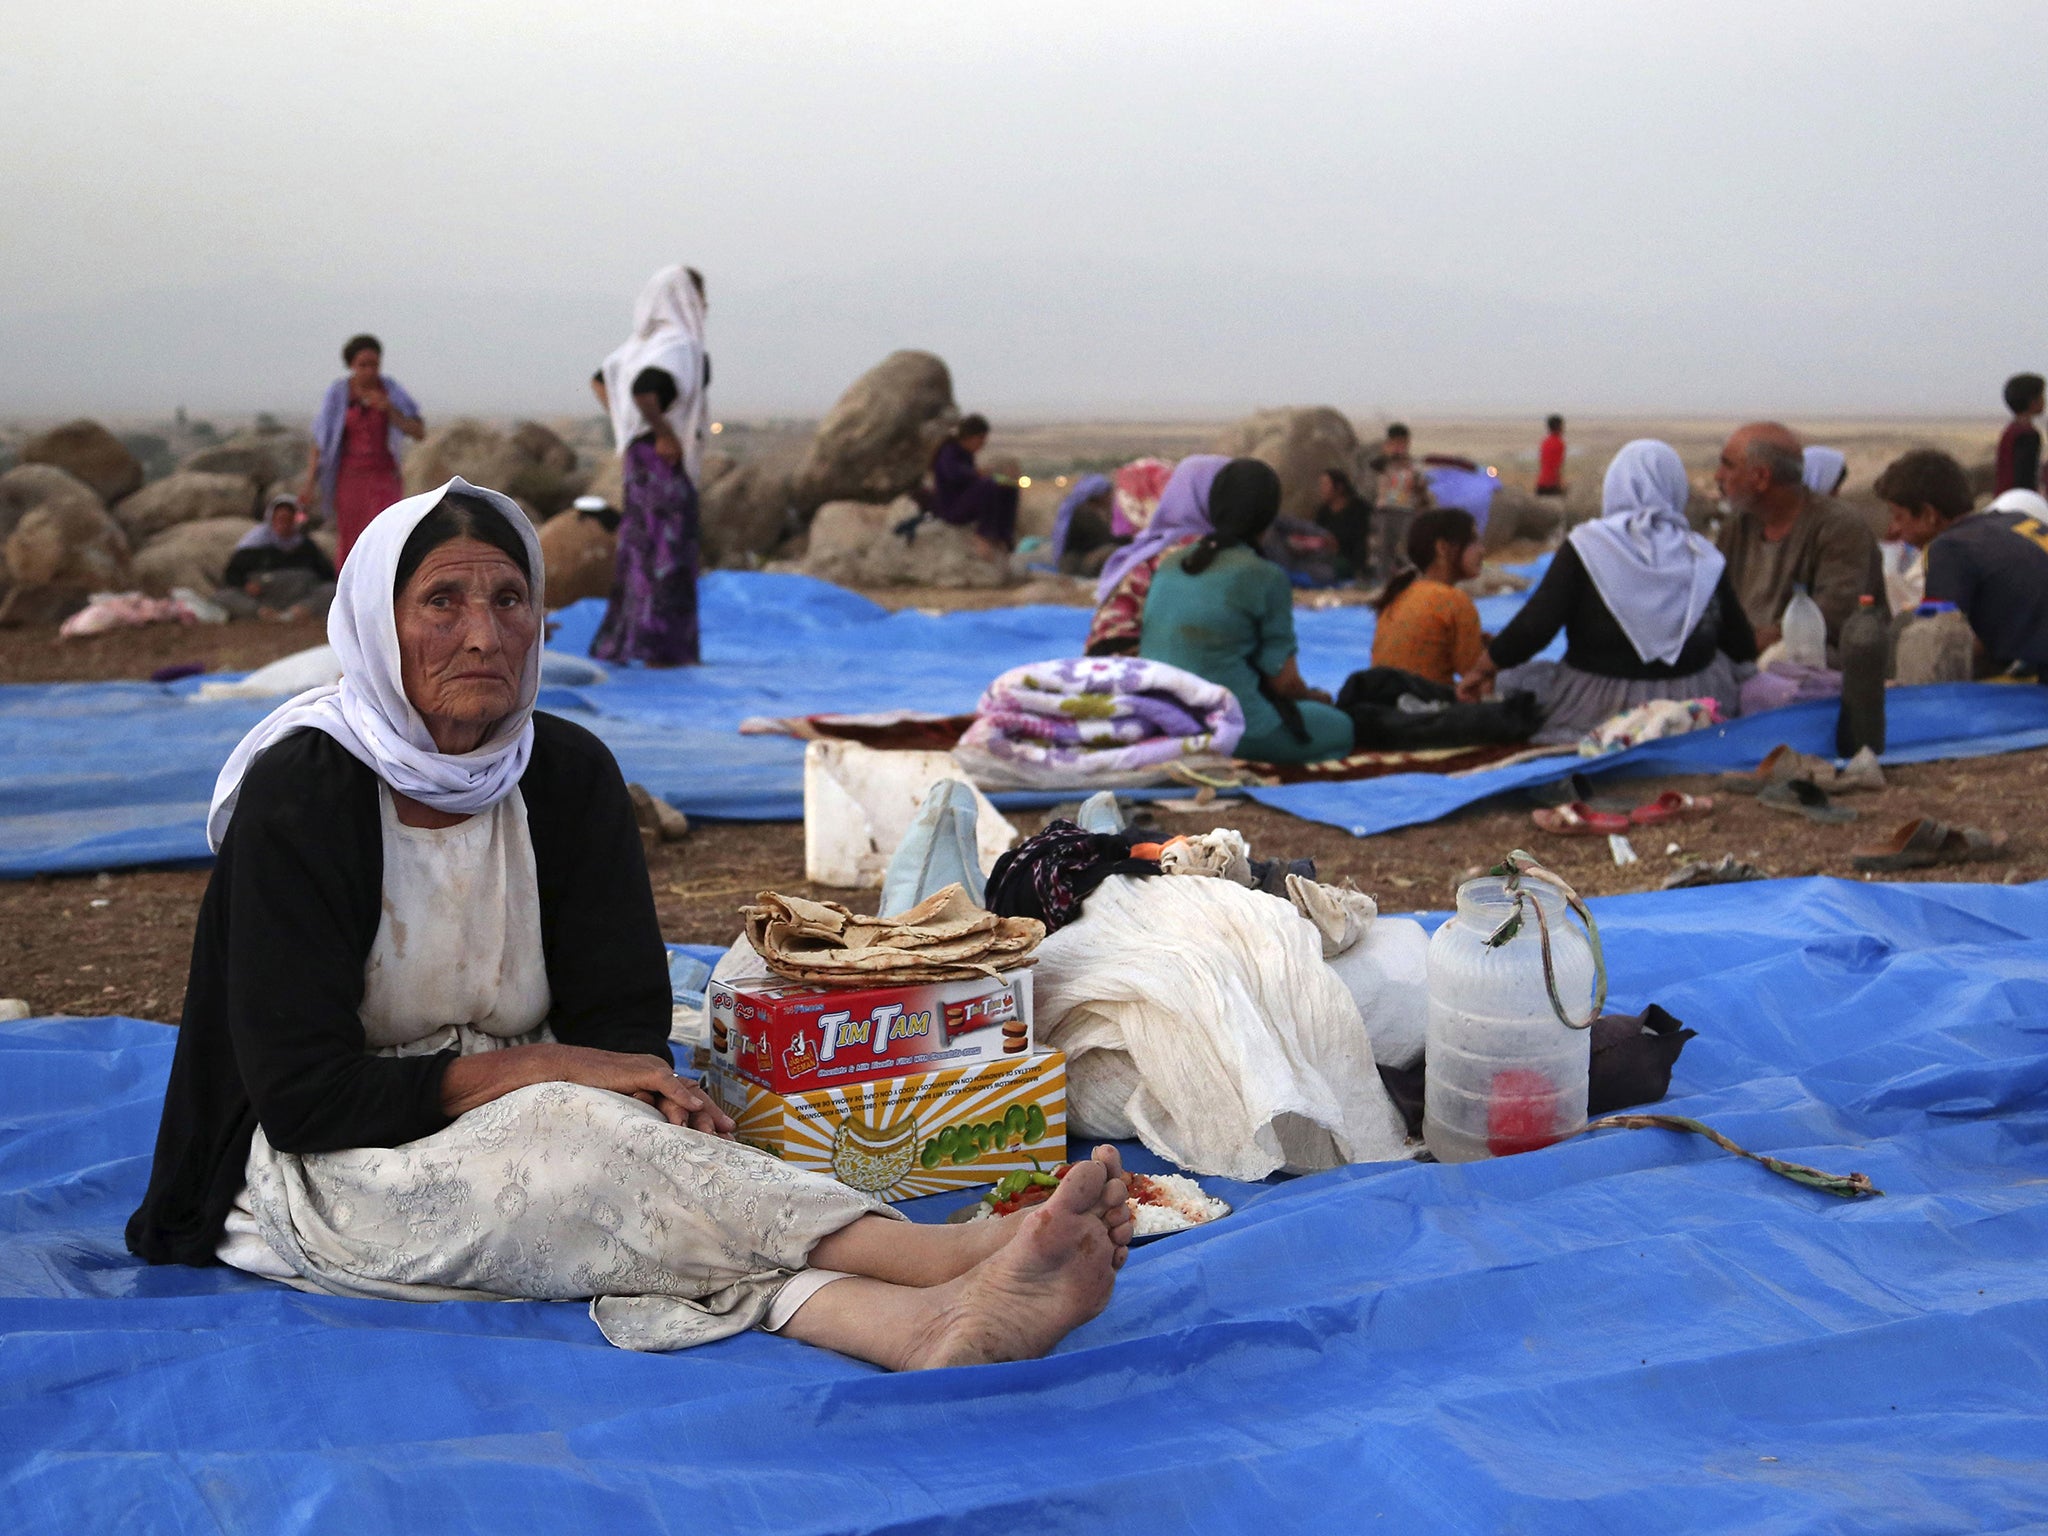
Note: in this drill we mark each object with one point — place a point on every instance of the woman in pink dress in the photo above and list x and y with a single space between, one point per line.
363 421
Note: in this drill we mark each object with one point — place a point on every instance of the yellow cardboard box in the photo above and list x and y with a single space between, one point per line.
900 1137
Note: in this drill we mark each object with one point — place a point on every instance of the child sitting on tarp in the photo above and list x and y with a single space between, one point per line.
1426 625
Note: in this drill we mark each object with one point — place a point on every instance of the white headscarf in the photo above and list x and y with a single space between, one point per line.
668 333
367 711
1654 573
1824 468
2032 503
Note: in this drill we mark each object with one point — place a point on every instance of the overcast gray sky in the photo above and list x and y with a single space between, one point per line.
1103 207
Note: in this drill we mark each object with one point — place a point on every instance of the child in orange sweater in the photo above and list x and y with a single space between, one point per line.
1426 625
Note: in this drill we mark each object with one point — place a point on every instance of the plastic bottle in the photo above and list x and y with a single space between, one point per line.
1505 1073
1805 630
1866 649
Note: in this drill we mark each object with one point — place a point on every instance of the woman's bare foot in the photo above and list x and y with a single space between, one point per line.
1054 1273
982 1238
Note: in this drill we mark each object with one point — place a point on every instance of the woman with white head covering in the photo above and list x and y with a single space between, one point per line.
1826 469
1644 602
276 568
654 386
424 1052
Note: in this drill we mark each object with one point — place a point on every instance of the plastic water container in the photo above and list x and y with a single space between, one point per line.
1507 1063
1866 655
1933 643
1805 631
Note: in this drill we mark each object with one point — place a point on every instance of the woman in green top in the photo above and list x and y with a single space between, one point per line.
1225 613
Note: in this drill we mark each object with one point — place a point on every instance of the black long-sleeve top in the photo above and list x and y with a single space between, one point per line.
261 560
1594 642
270 1033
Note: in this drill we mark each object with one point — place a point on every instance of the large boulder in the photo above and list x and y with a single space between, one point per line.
264 455
68 543
1300 442
92 453
745 512
188 496
530 462
852 543
579 556
877 442
1519 516
28 486
191 555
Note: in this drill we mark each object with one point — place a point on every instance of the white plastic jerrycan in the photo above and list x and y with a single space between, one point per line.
1513 988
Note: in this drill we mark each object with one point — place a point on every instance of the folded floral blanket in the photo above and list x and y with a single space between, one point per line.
1096 720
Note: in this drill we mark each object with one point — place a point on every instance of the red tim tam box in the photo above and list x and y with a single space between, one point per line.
794 1036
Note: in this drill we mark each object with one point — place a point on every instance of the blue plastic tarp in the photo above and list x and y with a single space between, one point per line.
1922 725
106 775
1629 1332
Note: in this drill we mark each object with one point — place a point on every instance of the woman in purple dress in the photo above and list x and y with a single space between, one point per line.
652 616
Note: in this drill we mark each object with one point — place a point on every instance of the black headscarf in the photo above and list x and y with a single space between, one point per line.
1242 505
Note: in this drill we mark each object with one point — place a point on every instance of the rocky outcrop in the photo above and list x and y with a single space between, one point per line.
876 443
191 555
68 543
1300 442
530 462
92 453
851 543
1519 516
263 457
579 555
188 496
745 512
28 486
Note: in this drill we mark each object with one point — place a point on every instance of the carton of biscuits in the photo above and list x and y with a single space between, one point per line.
794 1036
918 1134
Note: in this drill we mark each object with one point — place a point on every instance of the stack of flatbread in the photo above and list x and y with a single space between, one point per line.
945 937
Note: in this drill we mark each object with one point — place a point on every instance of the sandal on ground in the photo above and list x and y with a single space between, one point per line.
1803 797
1780 764
1575 790
1672 805
1578 820
1924 843
1727 870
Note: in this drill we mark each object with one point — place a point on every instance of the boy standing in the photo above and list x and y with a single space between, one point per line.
2019 446
1550 459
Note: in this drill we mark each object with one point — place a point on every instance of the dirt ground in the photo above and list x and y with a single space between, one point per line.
119 942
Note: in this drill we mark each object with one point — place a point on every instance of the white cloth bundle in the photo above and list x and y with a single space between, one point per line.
1200 1017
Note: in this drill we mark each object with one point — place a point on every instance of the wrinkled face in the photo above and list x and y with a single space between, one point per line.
465 625
1916 527
1739 480
365 367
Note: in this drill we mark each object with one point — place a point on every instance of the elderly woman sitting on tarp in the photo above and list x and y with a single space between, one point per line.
1224 612
1645 604
424 1049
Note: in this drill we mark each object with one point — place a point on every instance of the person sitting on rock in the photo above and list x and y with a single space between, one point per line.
963 496
277 571
1782 535
1426 625
1347 517
1993 565
1646 605
1226 613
